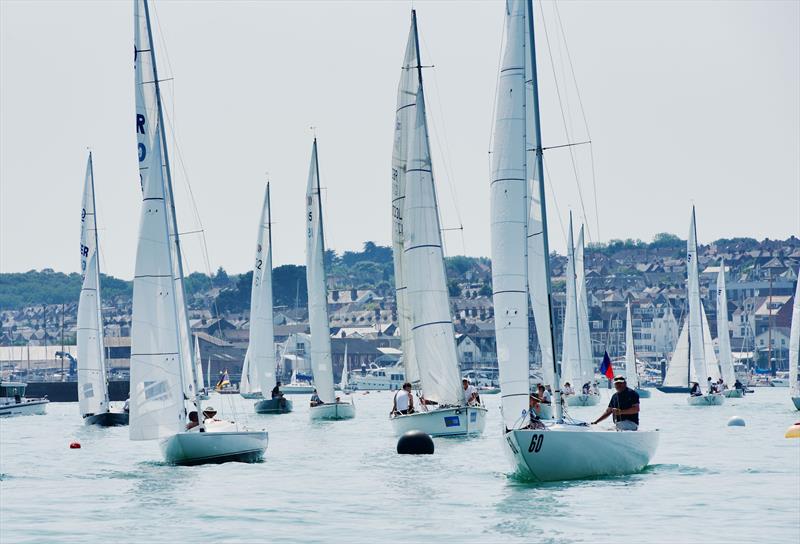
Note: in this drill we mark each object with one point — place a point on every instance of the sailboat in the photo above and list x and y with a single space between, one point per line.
262 326
198 362
331 406
92 378
246 389
794 349
344 383
576 352
561 450
165 404
631 373
442 410
723 338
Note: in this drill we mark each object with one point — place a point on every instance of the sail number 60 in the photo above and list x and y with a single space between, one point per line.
536 443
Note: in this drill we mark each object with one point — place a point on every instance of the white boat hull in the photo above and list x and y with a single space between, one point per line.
297 389
220 443
717 399
460 421
333 411
583 400
733 393
256 395
568 452
36 407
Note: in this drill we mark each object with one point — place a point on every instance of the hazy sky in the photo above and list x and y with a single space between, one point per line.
686 102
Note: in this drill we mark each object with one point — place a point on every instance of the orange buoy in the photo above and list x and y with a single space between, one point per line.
74 445
793 431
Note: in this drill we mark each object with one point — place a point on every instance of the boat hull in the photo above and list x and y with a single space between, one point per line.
196 448
107 419
36 407
333 411
583 400
643 393
733 393
459 421
674 389
273 406
567 452
296 389
717 399
796 401
256 395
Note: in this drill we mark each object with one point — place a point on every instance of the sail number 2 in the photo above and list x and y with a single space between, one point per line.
536 443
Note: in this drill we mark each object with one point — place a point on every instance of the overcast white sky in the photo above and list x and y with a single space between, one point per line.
686 102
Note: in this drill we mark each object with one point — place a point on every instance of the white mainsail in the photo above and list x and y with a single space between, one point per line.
794 343
570 345
509 225
160 356
261 348
92 381
712 363
582 292
405 117
678 368
631 375
317 286
432 325
696 342
723 337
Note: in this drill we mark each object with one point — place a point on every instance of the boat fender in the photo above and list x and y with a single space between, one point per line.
415 443
74 445
736 421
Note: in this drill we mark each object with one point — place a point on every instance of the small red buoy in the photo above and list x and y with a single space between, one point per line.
74 445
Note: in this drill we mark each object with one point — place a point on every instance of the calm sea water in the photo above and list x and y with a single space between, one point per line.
343 482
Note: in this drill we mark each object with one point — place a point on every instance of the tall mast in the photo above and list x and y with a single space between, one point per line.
319 206
173 217
416 45
100 335
537 127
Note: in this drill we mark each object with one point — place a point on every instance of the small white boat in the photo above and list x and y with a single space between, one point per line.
250 396
488 390
733 393
221 442
540 454
377 378
714 399
583 400
333 411
297 388
456 421
14 403
278 405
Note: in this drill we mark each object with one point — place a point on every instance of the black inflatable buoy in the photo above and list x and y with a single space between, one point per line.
415 443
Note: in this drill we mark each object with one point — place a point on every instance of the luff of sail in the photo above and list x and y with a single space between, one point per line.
432 325
157 385
723 336
317 287
261 347
794 343
92 385
509 224
631 375
696 342
405 116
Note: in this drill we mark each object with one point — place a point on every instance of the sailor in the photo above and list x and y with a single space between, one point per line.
568 390
695 391
534 411
192 420
711 388
403 400
624 407
543 394
315 400
209 414
127 406
586 388
738 385
276 391
470 392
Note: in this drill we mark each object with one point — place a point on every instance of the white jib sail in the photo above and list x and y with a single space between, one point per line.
92 386
317 287
405 116
432 325
794 343
570 347
631 375
509 229
584 335
696 342
262 328
198 365
157 382
245 382
678 368
723 337
712 363
343 382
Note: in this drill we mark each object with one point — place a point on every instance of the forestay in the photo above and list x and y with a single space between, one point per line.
157 382
261 347
405 116
631 375
432 325
723 336
92 386
509 224
317 287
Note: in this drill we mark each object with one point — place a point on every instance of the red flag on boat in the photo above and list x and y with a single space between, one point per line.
605 367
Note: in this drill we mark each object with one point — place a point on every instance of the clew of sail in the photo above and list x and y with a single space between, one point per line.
432 325
261 348
92 386
317 287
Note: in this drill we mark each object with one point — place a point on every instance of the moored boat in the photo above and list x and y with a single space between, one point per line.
14 403
333 411
278 405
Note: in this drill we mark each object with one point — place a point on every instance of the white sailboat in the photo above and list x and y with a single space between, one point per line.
561 450
576 353
723 338
344 381
262 325
794 349
631 373
442 410
92 378
321 362
198 363
164 396
246 388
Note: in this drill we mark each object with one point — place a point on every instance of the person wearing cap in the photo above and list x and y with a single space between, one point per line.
470 392
624 406
403 400
209 413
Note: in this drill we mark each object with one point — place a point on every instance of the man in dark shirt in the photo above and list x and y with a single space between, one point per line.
624 406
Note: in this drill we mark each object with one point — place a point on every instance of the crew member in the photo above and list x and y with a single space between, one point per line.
624 406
